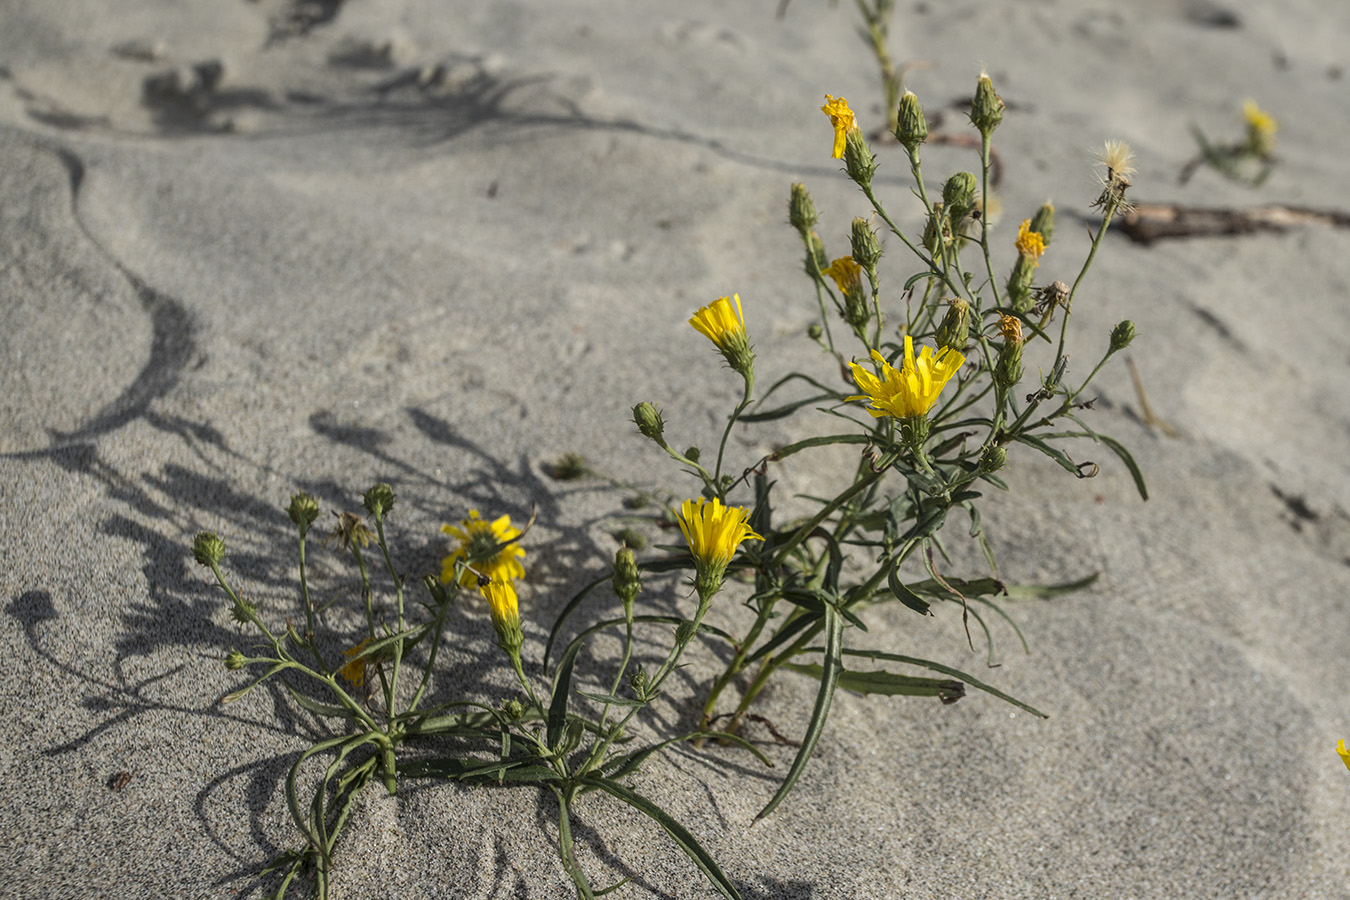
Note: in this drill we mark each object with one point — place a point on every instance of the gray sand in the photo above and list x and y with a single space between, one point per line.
441 244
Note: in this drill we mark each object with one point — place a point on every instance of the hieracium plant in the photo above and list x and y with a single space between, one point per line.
948 366
565 740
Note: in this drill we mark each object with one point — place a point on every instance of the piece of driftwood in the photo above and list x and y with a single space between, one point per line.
1149 222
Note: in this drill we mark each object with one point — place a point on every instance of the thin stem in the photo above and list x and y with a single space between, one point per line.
726 432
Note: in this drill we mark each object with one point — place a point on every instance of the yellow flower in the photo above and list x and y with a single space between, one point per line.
355 671
1030 243
1345 754
843 120
1011 329
713 532
480 546
1262 122
910 390
846 273
725 327
504 607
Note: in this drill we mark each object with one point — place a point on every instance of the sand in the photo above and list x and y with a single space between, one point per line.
256 247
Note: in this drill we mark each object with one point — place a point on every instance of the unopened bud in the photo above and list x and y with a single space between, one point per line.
993 459
1043 222
814 331
684 633
691 453
801 211
235 661
649 421
1008 368
954 331
513 709
958 196
986 110
207 549
866 247
626 581
379 500
933 239
303 510
858 160
911 128
1122 335
816 259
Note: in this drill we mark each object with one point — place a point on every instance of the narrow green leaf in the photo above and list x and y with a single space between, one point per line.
678 833
562 686
567 611
821 441
889 683
945 670
1058 456
1047 591
610 699
314 706
904 594
375 646
834 638
785 633
788 409
1128 459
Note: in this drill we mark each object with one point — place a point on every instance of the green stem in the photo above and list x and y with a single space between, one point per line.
566 849
726 432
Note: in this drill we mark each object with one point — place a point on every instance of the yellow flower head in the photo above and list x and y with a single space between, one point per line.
504 607
1011 328
843 120
725 327
1345 754
355 671
1030 243
480 546
713 532
910 390
1262 122
846 273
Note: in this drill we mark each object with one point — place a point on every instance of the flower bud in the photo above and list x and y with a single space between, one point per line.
638 682
954 331
993 459
303 510
814 331
911 128
958 196
1008 367
235 661
379 500
684 633
1043 223
626 581
816 258
931 240
207 549
858 160
1122 335
513 709
648 420
986 110
866 247
801 211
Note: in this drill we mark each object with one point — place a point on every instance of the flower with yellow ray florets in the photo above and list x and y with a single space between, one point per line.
725 327
1030 243
713 532
504 607
484 549
843 120
907 393
1345 754
355 671
1261 128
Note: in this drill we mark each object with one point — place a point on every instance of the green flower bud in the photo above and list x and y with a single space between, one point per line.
379 500
815 254
814 331
931 241
866 247
1044 222
986 110
954 332
684 633
626 581
993 459
1008 367
801 211
958 196
912 128
648 420
1122 335
513 709
207 549
858 160
235 661
638 682
691 454
303 510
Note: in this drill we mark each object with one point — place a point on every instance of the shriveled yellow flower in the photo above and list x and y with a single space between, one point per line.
1261 121
480 546
355 670
725 327
846 273
843 120
1011 328
910 390
714 532
1345 754
1030 244
504 607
